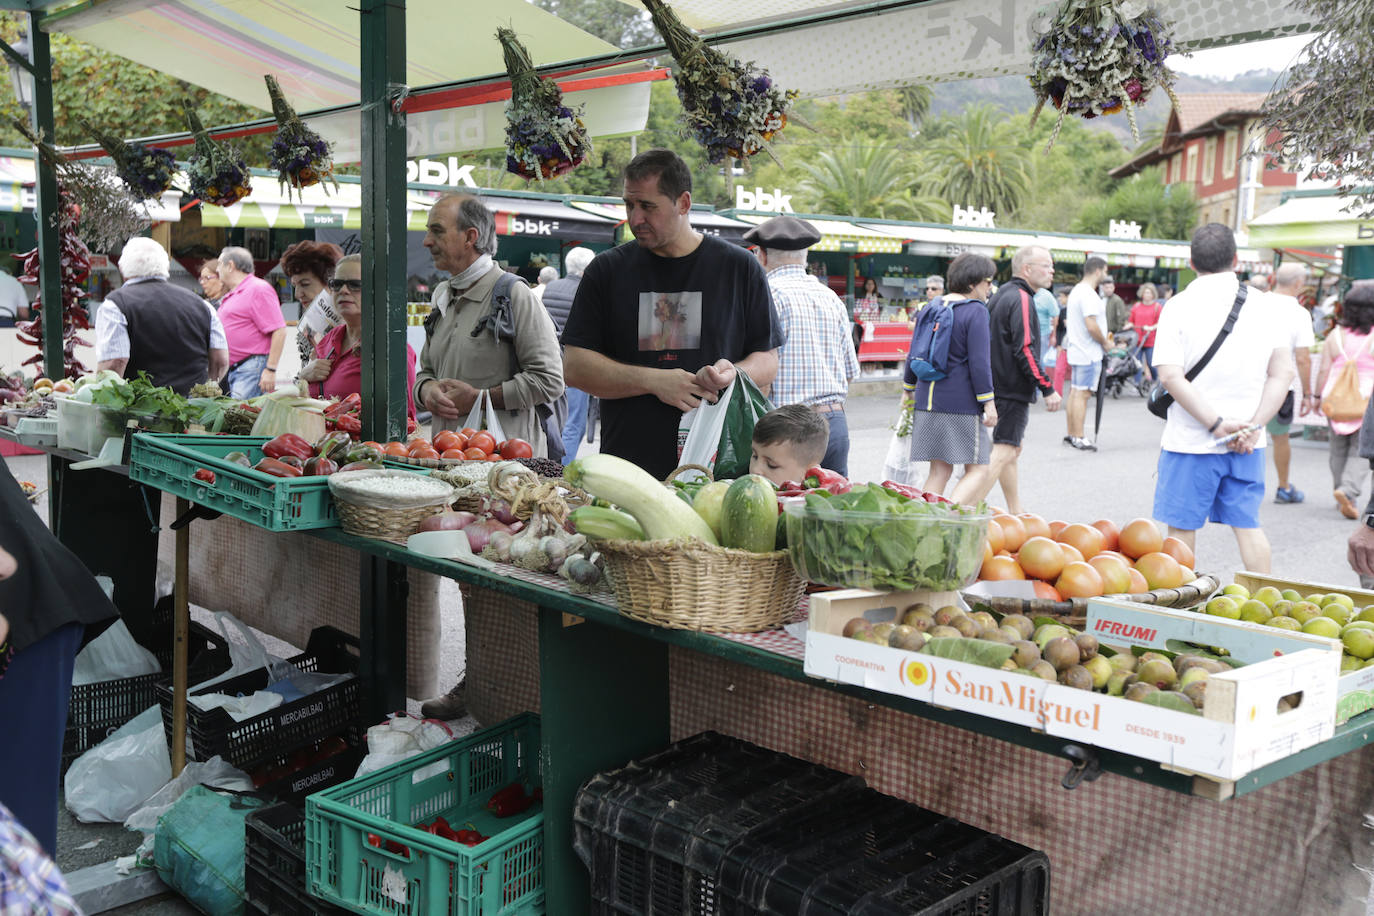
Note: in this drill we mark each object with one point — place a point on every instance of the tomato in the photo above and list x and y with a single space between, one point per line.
446 439
1035 525
996 539
1001 568
1111 534
495 456
467 432
1086 538
1056 527
1138 584
419 442
1013 531
1160 570
483 440
1179 551
516 448
1071 553
1139 537
1045 590
475 454
1041 558
1115 573
1079 580
396 450
423 452
455 454
377 445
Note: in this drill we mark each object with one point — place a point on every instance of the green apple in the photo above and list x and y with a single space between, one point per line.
1359 643
1291 594
1338 598
1366 614
1350 663
1240 591
1283 623
1322 626
1337 612
1224 606
1255 611
1304 611
1268 594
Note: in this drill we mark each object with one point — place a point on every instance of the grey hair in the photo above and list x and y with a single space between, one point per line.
143 257
349 259
473 214
241 258
576 260
1024 254
1291 274
935 278
548 274
780 256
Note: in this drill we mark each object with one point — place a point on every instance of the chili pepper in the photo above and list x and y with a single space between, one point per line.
350 424
320 466
348 404
239 458
333 445
204 475
826 480
288 444
276 468
411 425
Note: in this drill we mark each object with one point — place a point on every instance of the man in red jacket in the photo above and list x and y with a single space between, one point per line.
1015 342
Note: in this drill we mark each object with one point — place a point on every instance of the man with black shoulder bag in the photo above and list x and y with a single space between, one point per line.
1224 362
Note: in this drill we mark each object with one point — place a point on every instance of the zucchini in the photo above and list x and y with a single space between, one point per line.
658 511
596 522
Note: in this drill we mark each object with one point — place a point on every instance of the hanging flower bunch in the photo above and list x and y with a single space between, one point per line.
145 170
108 215
731 109
1100 56
219 174
300 156
75 269
544 137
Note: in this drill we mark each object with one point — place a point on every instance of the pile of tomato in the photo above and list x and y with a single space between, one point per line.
465 444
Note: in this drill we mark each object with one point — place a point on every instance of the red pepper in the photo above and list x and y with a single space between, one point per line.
288 444
822 479
511 800
293 461
501 796
904 490
351 403
374 841
320 467
350 424
276 468
205 475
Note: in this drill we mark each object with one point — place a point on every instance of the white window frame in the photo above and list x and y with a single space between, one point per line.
1230 152
1190 168
1209 160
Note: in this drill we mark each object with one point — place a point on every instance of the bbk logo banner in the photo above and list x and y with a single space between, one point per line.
759 199
513 224
981 218
432 171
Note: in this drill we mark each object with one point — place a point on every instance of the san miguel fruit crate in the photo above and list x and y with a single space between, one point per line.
98 709
869 854
654 832
170 463
1355 690
293 724
366 847
274 876
1251 716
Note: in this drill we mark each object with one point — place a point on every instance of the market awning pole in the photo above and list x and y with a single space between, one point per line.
181 629
384 220
49 244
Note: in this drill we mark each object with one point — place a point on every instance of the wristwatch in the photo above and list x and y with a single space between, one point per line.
1369 521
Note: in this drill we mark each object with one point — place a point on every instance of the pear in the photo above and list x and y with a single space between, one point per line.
882 631
942 632
919 616
1139 691
1100 669
945 616
997 636
1087 645
1197 692
1194 675
854 626
1045 671
966 627
906 637
984 619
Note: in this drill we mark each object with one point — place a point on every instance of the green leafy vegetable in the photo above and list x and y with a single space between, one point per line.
973 651
139 397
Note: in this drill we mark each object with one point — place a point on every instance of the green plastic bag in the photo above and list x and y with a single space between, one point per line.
198 848
719 436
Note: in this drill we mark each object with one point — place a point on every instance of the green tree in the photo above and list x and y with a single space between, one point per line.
1065 179
915 102
977 163
1163 211
610 20
873 181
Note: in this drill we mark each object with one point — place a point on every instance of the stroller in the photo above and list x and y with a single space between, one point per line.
1120 365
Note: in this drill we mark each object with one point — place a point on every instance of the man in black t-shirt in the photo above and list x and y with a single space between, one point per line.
661 323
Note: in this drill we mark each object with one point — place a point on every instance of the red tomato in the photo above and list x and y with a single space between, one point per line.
396 450
377 445
516 448
483 440
423 452
453 453
419 442
445 440
494 456
467 432
475 454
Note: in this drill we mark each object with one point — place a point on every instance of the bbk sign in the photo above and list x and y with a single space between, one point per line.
432 171
1120 229
975 219
511 224
759 199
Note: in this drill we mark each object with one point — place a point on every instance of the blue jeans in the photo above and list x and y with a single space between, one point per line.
577 423
837 449
245 381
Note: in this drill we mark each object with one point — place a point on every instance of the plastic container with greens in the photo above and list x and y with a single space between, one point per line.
876 539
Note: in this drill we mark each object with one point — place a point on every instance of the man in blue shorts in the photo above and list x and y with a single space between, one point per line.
1085 331
1212 456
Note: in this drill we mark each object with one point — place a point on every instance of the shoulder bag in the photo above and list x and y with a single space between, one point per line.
1345 402
1160 399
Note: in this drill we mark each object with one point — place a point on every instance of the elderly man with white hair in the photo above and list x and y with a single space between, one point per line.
1288 283
150 325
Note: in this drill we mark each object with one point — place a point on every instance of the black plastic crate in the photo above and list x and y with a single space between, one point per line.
274 864
96 710
291 777
654 832
875 855
289 726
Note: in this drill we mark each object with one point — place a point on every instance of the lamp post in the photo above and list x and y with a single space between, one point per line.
21 78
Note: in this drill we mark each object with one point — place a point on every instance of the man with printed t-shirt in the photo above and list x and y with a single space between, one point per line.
661 324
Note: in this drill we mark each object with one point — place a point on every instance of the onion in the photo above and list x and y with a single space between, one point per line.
501 511
448 521
479 533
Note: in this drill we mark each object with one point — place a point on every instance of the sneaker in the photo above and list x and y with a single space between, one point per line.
1347 506
450 706
1068 440
1083 445
1291 494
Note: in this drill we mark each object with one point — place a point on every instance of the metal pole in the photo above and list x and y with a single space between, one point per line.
181 629
384 221
46 208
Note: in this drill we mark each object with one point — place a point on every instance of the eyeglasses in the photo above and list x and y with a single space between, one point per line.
354 286
933 287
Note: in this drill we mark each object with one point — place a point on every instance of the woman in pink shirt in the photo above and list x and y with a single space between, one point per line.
336 371
1145 318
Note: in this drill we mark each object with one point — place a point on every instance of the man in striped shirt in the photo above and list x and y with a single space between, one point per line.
818 360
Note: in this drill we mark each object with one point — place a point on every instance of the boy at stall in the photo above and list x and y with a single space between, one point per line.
787 441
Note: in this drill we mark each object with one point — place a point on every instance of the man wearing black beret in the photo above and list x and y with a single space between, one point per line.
818 360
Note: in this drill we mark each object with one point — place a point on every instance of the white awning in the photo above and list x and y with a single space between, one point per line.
17 177
1313 222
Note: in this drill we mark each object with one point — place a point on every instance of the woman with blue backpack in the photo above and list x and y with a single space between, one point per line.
948 379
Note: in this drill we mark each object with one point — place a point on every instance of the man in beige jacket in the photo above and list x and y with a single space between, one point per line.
469 347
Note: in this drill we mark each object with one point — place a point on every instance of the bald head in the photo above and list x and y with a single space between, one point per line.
1033 264
1290 278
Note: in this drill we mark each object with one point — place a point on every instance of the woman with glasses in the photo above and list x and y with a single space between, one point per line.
310 266
336 370
952 415
210 283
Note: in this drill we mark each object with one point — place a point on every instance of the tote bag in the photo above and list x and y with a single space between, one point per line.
1344 402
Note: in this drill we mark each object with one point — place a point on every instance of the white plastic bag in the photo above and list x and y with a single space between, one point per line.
111 655
111 780
214 772
399 737
487 419
698 432
898 465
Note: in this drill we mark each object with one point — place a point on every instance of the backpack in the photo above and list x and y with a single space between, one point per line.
929 353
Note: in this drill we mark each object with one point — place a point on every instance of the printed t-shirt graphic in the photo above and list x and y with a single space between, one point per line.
669 321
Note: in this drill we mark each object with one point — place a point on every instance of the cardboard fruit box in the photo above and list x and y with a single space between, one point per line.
1355 690
1241 730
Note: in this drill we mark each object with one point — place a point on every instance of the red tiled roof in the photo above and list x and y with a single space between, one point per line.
1197 108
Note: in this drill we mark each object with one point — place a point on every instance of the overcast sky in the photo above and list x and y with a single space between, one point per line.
1276 54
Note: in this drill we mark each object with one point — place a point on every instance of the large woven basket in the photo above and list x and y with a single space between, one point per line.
1074 611
688 585
360 514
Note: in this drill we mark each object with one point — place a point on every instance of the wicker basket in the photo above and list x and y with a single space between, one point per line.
688 585
359 514
1074 611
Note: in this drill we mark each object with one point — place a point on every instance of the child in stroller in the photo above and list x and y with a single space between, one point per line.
1122 363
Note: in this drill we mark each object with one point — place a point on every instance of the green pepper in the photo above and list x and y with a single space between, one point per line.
333 445
362 452
239 458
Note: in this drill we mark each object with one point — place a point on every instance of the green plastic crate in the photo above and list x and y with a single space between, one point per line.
502 876
169 462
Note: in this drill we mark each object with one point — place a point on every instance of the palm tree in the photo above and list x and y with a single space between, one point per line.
873 181
975 163
915 102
